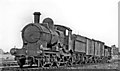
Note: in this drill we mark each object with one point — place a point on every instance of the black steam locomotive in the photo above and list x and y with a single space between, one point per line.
47 44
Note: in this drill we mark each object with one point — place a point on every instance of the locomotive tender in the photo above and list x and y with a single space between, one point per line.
47 45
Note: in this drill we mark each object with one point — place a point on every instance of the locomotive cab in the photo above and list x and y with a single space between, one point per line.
67 36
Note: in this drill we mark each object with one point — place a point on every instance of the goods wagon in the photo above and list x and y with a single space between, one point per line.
107 51
89 47
79 43
96 47
102 48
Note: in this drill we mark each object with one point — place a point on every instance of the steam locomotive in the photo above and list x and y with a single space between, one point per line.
47 44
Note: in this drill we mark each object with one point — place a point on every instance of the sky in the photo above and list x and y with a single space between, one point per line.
96 19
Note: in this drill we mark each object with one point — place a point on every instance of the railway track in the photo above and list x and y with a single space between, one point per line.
85 66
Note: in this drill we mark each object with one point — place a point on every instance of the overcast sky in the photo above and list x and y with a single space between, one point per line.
96 19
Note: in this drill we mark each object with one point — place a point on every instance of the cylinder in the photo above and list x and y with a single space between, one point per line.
36 17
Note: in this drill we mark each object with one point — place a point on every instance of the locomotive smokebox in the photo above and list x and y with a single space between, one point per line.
36 17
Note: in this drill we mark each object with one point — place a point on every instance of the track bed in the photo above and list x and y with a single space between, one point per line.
112 66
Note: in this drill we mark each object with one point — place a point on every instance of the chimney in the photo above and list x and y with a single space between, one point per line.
36 17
